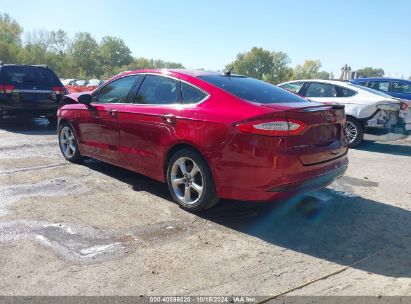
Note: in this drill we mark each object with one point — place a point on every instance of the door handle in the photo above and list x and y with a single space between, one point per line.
169 118
113 113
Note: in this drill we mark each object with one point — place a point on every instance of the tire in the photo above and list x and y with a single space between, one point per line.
190 181
355 131
68 143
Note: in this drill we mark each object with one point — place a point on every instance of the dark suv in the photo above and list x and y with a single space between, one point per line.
30 90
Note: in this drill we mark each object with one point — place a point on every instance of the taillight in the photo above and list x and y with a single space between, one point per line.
6 88
58 90
273 127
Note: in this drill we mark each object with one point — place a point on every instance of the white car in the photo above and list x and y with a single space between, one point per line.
367 110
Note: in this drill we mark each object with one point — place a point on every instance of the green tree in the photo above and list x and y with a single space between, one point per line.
8 52
84 52
10 39
114 52
370 72
145 63
310 69
10 30
59 42
262 64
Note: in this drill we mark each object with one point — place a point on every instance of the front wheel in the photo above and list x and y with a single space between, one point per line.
69 144
190 181
355 131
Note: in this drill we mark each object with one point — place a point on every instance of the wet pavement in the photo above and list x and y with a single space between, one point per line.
95 229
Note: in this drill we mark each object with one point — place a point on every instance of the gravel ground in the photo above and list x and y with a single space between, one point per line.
95 229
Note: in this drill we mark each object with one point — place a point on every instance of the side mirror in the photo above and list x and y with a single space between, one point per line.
84 99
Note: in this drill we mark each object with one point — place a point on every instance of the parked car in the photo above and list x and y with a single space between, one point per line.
80 83
68 82
30 90
367 110
94 83
399 88
208 135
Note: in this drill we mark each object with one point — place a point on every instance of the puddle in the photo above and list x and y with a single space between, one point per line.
54 187
76 244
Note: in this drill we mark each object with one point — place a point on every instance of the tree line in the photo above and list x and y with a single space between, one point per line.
82 56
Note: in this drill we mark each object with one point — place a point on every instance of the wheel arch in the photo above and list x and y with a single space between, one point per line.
66 121
183 145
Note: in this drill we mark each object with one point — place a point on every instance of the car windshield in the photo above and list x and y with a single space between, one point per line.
369 90
252 89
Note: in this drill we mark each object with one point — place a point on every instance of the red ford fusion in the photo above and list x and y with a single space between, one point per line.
207 135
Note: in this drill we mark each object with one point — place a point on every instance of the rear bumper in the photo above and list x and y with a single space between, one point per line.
286 191
267 171
311 184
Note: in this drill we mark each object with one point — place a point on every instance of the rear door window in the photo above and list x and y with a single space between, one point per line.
191 94
26 76
158 90
294 87
317 89
343 92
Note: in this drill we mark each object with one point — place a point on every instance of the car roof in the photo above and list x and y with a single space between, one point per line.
44 66
380 79
174 72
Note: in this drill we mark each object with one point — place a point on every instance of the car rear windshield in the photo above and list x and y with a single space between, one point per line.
252 89
28 75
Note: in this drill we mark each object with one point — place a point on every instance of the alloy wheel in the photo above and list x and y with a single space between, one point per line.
187 180
67 142
351 131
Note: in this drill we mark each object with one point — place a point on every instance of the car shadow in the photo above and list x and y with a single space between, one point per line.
27 126
394 149
327 224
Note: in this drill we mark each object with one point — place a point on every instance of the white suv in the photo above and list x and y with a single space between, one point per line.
367 110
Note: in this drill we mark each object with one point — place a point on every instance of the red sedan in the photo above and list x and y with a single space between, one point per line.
208 135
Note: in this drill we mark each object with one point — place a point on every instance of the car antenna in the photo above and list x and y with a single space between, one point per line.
228 73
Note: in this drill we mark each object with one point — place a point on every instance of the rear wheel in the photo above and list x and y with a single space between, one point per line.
354 130
68 143
190 181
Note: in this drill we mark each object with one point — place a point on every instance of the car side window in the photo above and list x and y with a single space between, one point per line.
294 87
382 86
401 87
343 92
317 89
116 91
191 94
158 90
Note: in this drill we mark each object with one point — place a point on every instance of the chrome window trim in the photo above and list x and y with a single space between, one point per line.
180 80
97 91
33 91
153 104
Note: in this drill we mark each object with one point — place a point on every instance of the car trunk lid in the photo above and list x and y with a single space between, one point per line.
324 138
